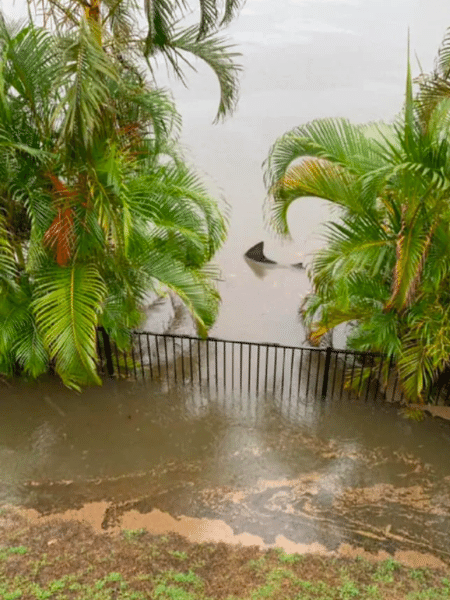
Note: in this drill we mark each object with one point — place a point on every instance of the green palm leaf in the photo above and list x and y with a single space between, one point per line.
67 302
86 104
318 178
219 55
20 342
8 267
335 140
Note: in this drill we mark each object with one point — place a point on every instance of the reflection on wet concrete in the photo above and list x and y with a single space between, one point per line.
330 476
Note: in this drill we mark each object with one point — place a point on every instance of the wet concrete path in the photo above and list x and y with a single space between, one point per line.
324 477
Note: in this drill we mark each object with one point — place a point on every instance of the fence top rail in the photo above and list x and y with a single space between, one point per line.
261 344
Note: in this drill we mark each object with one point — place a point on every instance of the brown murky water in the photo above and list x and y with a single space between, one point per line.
304 475
323 477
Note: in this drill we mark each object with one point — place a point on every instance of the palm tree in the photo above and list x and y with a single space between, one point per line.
97 205
386 265
115 23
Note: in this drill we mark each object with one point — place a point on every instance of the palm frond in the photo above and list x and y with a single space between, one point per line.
219 55
157 107
8 267
313 178
32 67
415 369
232 8
443 57
160 21
19 339
172 200
86 105
335 140
208 17
66 305
191 285
411 250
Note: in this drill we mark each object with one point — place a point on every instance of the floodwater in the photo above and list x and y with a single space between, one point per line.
302 59
299 473
328 477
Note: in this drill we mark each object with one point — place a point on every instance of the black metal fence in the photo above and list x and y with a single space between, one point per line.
250 367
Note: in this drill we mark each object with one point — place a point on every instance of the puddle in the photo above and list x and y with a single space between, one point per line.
202 530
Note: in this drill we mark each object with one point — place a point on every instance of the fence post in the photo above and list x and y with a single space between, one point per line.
108 352
325 373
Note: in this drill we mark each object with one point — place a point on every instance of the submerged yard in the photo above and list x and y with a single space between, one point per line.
179 494
63 560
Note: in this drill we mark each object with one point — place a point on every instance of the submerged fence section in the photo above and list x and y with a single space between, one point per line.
250 367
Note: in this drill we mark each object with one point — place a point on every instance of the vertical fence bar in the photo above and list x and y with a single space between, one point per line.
361 377
125 360
300 366
216 365
343 376
334 373
158 360
309 372
318 354
207 363
100 362
149 356
191 372
232 366
437 388
369 381
341 387
182 359
174 359
447 395
275 369
391 364
199 364
395 385
132 358
267 368
378 378
240 367
116 354
352 371
224 365
282 372
108 352
249 366
141 356
292 371
167 359
326 373
257 368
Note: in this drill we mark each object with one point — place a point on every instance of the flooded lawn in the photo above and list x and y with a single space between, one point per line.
62 561
325 477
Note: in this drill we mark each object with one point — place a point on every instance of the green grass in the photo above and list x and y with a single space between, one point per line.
134 566
179 554
258 564
132 534
5 553
280 584
289 559
385 570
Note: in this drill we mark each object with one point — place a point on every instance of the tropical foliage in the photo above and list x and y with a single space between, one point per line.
97 206
115 23
385 267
